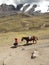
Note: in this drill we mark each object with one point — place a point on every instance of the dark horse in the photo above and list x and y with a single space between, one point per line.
33 38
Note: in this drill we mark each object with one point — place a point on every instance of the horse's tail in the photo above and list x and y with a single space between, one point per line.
36 38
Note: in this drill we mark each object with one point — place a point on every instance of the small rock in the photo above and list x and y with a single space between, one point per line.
34 54
23 49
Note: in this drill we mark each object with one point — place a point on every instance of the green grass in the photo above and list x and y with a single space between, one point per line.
20 22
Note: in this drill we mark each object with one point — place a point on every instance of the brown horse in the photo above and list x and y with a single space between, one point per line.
33 38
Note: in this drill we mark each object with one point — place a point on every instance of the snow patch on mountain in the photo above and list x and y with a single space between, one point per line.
31 5
24 6
43 6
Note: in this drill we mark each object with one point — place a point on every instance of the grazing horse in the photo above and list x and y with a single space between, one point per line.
33 38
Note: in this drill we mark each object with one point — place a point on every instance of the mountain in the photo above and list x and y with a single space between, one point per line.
27 8
24 7
19 7
7 10
31 9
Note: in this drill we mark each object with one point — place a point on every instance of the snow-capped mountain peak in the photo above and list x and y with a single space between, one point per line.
24 6
31 5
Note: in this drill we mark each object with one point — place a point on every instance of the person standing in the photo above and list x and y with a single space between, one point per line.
16 42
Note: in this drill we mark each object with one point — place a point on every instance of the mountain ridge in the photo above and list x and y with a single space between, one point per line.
26 8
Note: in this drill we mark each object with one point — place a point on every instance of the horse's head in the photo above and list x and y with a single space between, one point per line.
22 39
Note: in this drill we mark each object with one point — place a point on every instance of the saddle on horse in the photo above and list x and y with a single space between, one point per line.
30 37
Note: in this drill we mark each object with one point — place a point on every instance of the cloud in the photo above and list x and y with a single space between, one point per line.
14 2
24 1
20 1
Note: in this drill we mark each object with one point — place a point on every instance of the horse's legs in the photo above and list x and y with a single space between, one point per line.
35 41
27 42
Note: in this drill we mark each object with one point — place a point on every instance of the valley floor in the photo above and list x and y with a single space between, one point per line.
22 54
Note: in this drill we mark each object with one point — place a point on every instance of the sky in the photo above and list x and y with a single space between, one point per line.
42 4
20 1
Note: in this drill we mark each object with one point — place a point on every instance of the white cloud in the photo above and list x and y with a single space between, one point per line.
43 6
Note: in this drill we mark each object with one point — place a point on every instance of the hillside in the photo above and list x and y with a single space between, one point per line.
21 22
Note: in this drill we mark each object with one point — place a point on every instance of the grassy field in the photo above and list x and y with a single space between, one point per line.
8 38
23 22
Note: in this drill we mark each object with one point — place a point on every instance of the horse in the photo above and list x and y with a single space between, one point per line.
33 38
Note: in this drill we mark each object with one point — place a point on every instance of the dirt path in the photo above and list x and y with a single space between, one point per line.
22 54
